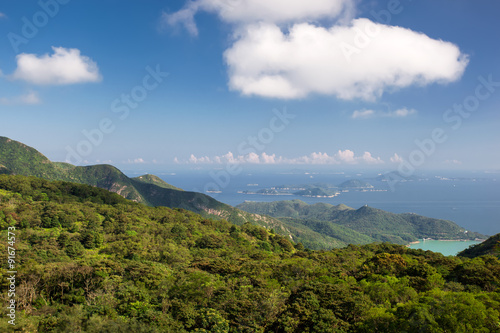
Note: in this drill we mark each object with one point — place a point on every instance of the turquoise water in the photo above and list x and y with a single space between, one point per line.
448 248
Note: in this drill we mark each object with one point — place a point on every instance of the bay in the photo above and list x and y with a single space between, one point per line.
448 248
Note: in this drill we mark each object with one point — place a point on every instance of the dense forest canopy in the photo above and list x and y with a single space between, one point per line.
91 261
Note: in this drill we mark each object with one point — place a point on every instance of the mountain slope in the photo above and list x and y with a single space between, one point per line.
155 180
377 224
17 158
491 246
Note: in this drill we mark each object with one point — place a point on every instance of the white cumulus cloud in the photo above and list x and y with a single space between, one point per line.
280 50
64 66
341 157
396 159
369 159
307 59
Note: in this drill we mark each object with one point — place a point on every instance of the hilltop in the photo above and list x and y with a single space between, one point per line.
155 180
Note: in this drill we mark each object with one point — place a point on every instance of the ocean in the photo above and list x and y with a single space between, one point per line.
471 200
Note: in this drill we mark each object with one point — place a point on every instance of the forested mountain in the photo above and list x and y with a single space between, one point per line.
88 260
18 159
377 224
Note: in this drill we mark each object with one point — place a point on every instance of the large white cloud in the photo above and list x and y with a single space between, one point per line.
280 51
251 11
64 66
267 62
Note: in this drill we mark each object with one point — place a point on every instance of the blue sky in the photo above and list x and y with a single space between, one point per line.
338 83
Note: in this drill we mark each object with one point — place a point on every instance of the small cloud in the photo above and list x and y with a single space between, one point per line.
135 161
369 159
454 162
346 156
65 66
199 160
396 159
363 114
2 15
30 98
184 16
404 112
104 162
399 113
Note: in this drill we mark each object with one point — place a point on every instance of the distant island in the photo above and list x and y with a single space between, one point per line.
317 190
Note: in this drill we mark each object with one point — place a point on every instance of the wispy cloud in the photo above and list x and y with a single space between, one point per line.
316 158
64 66
366 114
2 15
453 162
362 114
252 11
30 98
404 112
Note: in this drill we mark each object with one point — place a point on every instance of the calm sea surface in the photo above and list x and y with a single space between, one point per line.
448 248
473 203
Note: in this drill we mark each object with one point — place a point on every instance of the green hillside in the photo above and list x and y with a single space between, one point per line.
87 260
155 180
491 246
19 159
377 224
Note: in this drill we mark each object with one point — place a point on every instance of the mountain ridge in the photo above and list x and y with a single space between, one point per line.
375 223
18 158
